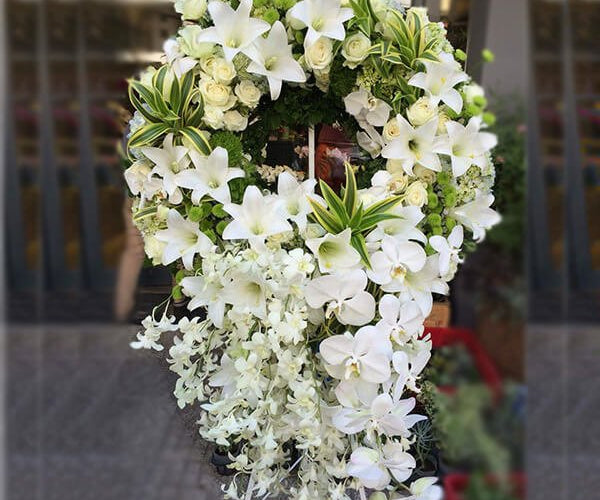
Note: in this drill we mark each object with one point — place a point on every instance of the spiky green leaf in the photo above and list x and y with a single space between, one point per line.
147 135
197 138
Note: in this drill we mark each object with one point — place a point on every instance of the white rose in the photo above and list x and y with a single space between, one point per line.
320 54
443 118
136 176
391 130
188 42
223 71
355 49
154 249
235 121
398 182
416 194
248 93
216 94
207 62
191 9
425 174
213 117
421 112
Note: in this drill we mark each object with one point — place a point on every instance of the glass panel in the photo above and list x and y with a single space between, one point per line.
23 91
546 19
62 51
585 16
121 39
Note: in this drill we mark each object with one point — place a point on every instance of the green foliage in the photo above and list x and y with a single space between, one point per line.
509 190
169 105
347 212
479 488
232 143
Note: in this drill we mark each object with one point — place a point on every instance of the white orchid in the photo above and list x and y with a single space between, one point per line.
424 489
367 109
421 284
404 227
226 376
256 218
390 265
438 81
467 146
168 162
275 61
334 251
295 196
344 295
409 369
477 215
448 249
205 293
183 239
400 320
415 146
234 30
373 467
322 17
356 359
210 177
384 415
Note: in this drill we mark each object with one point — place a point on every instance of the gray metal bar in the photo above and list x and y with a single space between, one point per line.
55 270
476 38
580 272
94 273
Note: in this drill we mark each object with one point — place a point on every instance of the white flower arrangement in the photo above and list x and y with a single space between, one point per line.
305 344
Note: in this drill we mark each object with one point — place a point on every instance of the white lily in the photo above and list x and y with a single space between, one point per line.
168 162
234 30
210 177
390 265
467 146
373 467
448 249
180 63
357 359
415 146
370 140
247 292
140 180
344 295
274 60
400 320
438 81
256 218
402 228
322 17
367 109
205 293
183 240
295 197
334 251
477 215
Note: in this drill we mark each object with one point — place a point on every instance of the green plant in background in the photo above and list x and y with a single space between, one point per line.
509 189
481 489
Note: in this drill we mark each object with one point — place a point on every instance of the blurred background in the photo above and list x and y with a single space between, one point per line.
516 348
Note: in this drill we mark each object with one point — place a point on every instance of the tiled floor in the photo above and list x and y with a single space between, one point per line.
91 419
